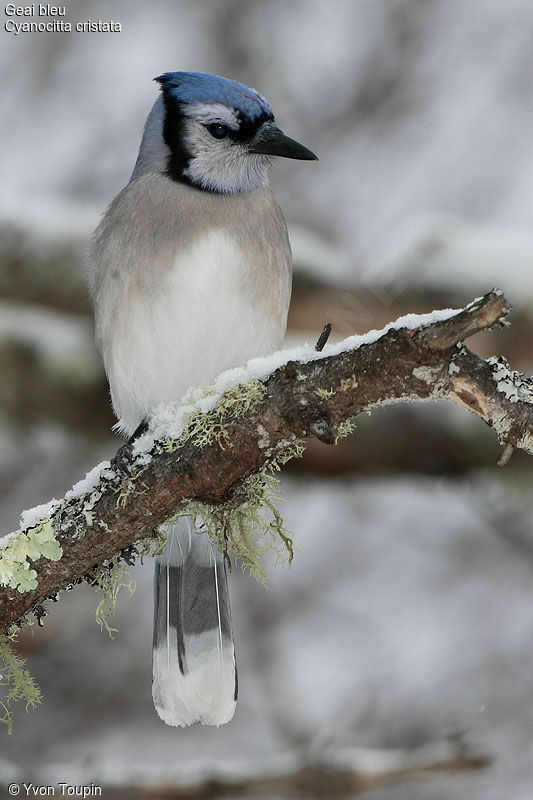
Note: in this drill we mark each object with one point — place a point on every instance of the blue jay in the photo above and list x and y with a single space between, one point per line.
190 274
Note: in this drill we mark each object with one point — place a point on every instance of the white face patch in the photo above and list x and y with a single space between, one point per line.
220 165
212 112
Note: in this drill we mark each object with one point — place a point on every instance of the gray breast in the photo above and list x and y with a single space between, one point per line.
185 284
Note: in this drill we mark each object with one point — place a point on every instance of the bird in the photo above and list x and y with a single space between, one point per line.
190 274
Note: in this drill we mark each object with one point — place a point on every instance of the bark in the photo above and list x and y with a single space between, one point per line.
301 401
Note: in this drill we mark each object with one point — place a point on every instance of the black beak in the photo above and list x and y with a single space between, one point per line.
271 141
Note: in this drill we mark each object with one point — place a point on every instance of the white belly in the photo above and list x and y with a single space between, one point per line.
216 308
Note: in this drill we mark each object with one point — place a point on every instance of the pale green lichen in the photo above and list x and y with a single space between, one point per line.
249 525
109 580
345 428
18 681
324 393
247 528
205 428
130 487
37 542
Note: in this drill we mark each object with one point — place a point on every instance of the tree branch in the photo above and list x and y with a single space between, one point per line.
338 773
417 358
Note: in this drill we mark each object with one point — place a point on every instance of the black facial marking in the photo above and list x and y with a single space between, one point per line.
174 137
248 128
173 134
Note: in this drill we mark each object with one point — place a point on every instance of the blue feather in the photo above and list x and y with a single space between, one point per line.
200 87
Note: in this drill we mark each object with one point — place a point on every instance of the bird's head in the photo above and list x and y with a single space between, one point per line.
219 134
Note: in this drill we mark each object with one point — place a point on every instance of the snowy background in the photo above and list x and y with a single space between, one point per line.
408 613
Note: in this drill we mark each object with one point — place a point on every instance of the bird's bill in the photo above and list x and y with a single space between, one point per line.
271 141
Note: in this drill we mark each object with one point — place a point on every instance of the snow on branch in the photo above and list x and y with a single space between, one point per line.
207 451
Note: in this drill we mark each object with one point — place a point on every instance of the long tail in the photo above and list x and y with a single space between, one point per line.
194 677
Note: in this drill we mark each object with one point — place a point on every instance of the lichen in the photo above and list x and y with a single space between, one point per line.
249 525
453 369
264 439
132 487
17 679
512 384
205 428
427 374
324 393
37 542
345 428
108 582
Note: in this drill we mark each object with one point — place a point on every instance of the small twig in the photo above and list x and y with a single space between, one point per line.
323 338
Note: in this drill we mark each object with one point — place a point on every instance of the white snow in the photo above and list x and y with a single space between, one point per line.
4 540
90 482
32 516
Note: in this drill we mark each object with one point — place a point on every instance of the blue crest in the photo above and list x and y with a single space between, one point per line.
200 87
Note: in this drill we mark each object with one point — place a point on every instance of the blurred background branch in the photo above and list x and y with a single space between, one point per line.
342 773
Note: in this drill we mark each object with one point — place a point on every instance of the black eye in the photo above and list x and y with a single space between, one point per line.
217 130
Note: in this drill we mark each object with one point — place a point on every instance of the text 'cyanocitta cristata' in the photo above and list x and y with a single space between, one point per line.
190 274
